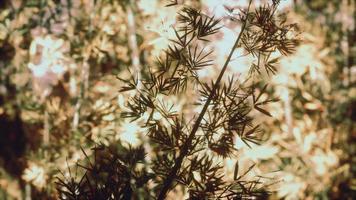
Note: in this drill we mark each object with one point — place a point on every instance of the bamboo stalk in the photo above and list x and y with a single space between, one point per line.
46 127
132 41
28 191
83 88
288 111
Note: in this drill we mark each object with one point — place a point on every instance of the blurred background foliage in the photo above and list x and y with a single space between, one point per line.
58 91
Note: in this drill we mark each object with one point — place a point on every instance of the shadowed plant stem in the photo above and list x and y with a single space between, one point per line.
188 143
46 127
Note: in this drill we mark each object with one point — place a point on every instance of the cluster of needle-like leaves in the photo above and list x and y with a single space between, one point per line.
266 34
114 173
185 151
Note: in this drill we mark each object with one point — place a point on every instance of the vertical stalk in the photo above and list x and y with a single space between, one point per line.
28 191
46 127
84 76
288 110
135 61
132 41
83 89
351 40
185 148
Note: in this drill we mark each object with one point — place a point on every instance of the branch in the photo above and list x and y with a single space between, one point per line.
185 149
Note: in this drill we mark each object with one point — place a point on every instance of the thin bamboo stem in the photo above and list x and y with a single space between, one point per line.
132 41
